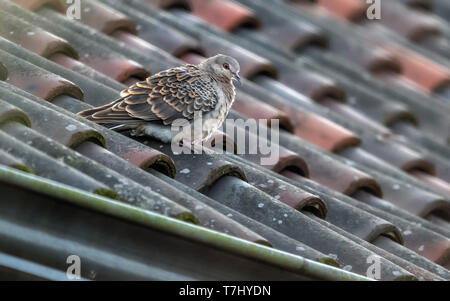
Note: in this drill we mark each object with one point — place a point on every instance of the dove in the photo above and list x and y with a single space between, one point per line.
151 107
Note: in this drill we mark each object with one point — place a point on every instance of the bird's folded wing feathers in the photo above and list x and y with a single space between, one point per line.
166 96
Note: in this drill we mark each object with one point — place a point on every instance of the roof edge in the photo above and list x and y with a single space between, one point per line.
223 241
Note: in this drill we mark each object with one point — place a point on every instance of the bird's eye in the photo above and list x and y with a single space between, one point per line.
226 66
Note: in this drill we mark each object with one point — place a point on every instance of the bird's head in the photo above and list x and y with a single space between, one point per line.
222 67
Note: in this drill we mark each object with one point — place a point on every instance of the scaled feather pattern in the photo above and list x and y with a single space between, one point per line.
166 96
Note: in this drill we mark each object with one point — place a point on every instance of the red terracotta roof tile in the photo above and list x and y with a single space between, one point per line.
420 70
286 159
170 3
296 34
323 133
36 80
409 23
345 9
311 84
167 38
251 108
398 155
433 181
307 125
370 57
223 14
251 64
102 18
192 58
357 116
417 201
116 68
33 38
36 4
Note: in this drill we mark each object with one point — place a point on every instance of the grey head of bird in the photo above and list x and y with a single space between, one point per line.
222 67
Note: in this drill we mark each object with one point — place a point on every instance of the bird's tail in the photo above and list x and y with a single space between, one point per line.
107 116
89 113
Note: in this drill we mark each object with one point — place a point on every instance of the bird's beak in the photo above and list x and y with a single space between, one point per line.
237 78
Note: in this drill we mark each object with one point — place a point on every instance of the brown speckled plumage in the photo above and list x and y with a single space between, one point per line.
174 93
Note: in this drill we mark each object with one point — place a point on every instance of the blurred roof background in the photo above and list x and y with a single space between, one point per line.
364 165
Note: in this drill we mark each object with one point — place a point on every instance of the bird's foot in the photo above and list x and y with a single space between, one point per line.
139 131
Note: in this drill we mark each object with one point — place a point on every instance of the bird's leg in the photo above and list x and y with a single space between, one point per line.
158 131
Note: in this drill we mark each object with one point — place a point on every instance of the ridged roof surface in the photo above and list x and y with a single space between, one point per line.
363 171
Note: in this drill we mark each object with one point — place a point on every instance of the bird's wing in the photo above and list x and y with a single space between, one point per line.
165 96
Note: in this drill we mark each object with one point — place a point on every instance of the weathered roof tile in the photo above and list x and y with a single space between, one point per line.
362 151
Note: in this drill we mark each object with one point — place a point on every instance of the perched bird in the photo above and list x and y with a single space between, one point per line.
150 107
